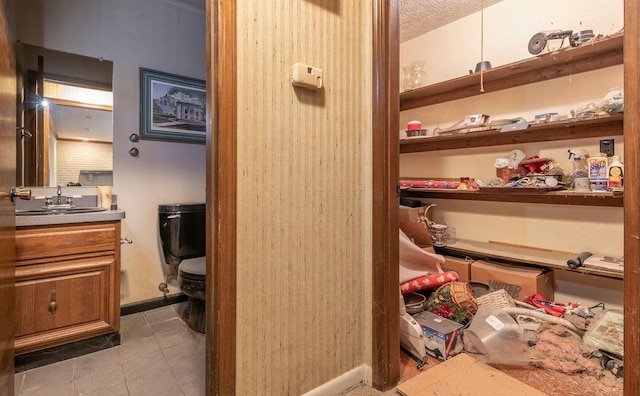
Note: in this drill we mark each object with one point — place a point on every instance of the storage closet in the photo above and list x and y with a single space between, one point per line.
520 85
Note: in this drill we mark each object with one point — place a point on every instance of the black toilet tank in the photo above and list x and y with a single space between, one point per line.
182 231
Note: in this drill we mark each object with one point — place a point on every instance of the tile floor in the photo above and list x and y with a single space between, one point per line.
159 355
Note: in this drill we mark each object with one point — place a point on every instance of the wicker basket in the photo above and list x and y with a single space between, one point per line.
463 296
506 174
499 298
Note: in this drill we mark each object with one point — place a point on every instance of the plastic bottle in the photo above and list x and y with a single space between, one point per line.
598 172
579 176
616 174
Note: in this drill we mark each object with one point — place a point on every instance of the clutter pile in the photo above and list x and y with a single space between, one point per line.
564 337
600 173
442 316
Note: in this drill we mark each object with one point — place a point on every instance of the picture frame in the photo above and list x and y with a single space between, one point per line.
172 107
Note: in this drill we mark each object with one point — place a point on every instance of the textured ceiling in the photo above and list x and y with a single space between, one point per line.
418 17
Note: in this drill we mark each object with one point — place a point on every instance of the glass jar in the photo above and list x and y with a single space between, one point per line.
418 74
406 83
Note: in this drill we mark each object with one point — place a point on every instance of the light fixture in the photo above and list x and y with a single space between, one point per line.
44 102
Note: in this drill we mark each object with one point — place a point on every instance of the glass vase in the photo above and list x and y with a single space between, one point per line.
406 83
418 74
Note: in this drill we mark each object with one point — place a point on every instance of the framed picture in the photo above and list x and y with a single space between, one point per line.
172 108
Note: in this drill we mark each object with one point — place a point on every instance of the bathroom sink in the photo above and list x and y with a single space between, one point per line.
58 211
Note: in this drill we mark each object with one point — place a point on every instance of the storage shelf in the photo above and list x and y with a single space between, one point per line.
553 197
561 130
543 258
605 52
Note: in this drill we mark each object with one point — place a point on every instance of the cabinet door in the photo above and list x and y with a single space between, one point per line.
62 302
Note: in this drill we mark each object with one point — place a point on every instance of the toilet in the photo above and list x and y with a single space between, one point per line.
182 233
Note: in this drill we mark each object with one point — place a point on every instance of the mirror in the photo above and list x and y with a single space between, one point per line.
65 120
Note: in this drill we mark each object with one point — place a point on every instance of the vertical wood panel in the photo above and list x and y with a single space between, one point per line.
221 198
385 337
8 91
303 194
631 196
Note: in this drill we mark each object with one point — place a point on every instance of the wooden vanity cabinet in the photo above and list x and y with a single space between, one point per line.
67 283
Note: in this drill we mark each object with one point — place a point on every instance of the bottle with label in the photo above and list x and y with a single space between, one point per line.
598 168
616 174
579 176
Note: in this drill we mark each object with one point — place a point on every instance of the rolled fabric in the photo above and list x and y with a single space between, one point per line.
578 260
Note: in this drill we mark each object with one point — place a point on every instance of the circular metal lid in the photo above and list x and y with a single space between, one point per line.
182 207
537 43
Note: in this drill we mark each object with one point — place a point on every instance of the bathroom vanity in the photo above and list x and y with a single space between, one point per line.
67 279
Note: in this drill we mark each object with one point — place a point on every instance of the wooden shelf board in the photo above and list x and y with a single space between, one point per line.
602 53
553 131
520 255
553 197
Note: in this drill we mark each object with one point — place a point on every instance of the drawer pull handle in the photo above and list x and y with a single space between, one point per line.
53 305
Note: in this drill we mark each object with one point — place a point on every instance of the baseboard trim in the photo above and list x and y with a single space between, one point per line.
59 353
146 305
358 376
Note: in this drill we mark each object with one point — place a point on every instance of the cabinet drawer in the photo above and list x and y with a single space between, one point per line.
61 298
33 243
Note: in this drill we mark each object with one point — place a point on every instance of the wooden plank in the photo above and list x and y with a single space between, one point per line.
539 249
464 375
222 125
531 256
631 196
385 336
561 130
603 53
549 198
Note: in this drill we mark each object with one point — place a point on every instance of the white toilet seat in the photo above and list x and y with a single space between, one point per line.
196 266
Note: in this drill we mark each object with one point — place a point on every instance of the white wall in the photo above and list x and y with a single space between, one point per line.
450 52
133 34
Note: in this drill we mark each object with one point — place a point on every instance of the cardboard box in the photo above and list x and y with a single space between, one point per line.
415 230
442 337
519 282
459 265
464 375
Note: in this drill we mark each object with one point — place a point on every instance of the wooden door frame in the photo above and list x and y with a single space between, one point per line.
631 196
385 162
8 17
221 285
221 177
221 196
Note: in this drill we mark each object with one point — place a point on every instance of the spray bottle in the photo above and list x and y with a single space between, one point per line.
579 176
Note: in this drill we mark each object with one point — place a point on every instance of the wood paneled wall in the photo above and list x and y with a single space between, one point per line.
303 195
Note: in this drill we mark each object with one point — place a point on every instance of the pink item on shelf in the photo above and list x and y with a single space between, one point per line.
449 185
414 125
428 282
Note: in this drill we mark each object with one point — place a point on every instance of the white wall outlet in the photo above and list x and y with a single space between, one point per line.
306 76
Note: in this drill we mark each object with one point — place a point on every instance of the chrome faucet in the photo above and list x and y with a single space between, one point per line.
59 201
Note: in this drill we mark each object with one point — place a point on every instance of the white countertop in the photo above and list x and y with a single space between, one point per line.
108 215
